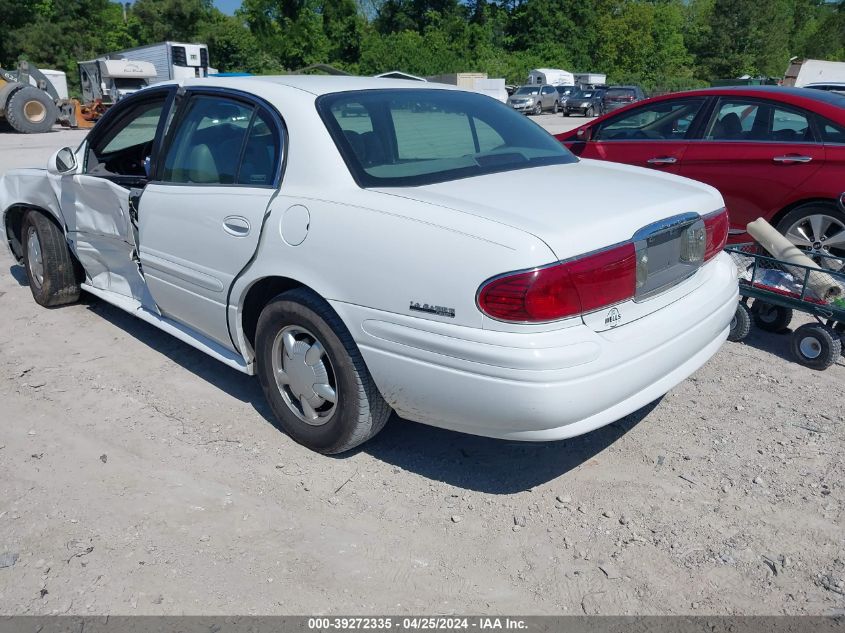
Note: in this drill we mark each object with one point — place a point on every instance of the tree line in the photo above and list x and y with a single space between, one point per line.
660 44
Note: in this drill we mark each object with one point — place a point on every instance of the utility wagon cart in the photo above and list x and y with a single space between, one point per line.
778 288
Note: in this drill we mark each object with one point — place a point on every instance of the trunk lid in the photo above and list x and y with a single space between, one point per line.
575 208
584 207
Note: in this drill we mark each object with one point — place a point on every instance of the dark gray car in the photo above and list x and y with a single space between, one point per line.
563 94
586 102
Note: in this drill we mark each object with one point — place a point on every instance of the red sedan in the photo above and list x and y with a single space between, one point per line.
773 152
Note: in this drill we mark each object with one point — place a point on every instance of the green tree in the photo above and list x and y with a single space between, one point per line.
233 48
161 20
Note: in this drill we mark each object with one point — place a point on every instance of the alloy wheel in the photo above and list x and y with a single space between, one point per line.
819 234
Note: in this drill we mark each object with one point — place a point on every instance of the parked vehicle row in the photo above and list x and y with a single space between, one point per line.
581 100
773 152
409 273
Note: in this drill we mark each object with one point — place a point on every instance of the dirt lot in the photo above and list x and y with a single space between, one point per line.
138 476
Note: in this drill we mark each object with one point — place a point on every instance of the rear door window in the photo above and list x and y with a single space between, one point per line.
758 121
207 146
832 132
222 141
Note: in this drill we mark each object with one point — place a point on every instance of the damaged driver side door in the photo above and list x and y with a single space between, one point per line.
98 203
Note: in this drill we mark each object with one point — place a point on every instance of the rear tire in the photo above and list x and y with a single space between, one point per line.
740 324
31 111
556 108
53 272
319 359
771 318
816 346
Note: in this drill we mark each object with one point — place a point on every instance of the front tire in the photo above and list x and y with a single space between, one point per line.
538 109
313 375
54 274
31 111
816 346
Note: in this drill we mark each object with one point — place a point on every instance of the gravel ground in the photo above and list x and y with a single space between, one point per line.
138 476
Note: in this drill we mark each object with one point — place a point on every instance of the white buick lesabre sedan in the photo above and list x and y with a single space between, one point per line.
368 245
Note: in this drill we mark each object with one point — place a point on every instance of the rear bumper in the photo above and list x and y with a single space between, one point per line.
547 385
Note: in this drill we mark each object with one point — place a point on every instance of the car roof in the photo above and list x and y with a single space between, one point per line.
792 93
314 84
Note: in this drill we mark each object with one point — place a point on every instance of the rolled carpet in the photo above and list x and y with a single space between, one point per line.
821 283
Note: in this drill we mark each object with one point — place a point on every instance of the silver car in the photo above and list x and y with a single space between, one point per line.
535 99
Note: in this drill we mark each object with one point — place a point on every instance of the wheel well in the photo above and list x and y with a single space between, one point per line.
14 226
258 296
782 213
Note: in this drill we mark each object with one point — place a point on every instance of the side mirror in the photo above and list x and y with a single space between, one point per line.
62 162
584 134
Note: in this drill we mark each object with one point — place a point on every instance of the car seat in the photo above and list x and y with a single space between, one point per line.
729 127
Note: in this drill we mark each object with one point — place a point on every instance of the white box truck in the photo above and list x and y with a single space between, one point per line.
802 72
552 76
172 60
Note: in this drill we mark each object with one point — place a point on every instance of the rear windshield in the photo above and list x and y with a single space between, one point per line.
410 137
620 92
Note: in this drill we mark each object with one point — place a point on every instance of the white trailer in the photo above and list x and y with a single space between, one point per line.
811 71
553 76
590 79
172 60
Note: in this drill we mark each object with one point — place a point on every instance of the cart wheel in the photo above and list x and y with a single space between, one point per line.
740 324
816 346
839 328
770 317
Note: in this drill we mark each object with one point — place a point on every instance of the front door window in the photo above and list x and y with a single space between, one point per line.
661 121
122 151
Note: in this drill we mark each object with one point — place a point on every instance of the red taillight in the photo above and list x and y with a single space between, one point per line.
716 225
562 290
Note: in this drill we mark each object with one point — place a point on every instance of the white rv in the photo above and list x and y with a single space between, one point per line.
552 76
813 71
109 80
